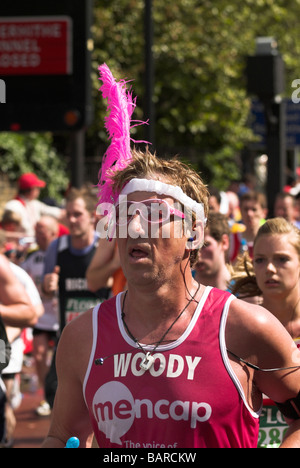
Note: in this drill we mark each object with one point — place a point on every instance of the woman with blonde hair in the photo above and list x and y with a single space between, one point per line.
273 276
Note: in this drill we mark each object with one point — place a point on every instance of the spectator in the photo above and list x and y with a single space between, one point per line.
214 199
27 205
218 200
210 268
247 184
16 242
66 262
45 331
234 212
68 258
253 206
285 207
274 276
11 222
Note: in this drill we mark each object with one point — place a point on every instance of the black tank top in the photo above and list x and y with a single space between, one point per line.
74 295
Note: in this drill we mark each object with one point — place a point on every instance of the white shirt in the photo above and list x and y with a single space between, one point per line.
17 346
34 266
30 212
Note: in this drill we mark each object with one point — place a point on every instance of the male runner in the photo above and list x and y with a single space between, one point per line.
153 367
66 262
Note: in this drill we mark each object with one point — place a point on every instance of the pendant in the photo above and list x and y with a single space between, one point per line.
147 362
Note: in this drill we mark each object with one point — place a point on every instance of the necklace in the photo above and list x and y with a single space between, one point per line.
148 360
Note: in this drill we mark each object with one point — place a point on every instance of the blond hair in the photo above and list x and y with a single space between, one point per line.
145 165
280 226
243 279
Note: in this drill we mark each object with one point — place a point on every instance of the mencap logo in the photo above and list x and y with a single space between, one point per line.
115 410
2 92
113 407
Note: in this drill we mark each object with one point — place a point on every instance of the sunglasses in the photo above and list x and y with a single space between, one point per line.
152 211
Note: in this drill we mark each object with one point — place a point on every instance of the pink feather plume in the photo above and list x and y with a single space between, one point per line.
120 106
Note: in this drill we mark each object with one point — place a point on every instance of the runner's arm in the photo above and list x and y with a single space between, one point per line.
16 308
70 416
262 340
103 265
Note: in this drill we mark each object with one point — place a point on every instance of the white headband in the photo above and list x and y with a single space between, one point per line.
151 185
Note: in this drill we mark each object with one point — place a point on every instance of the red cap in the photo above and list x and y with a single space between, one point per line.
30 180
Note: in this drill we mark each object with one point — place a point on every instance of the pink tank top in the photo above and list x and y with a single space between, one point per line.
189 398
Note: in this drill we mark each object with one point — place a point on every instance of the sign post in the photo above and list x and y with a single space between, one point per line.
36 46
45 65
265 79
45 62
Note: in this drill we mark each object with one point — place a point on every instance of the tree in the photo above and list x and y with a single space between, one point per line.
199 51
202 109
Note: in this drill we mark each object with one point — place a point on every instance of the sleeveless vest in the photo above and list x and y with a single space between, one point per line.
74 295
190 397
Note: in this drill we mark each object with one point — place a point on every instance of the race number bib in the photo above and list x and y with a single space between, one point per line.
78 305
272 426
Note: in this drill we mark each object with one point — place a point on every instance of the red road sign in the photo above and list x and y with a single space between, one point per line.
36 45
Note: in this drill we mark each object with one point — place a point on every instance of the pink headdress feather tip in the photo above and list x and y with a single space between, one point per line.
120 106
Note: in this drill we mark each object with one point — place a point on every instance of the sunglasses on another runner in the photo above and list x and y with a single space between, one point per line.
152 211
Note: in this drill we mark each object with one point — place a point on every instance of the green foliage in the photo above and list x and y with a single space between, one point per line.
199 51
200 88
20 153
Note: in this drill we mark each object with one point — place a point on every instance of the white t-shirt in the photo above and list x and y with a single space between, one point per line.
17 347
34 266
30 212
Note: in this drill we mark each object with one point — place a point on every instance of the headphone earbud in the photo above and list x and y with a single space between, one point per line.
189 243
